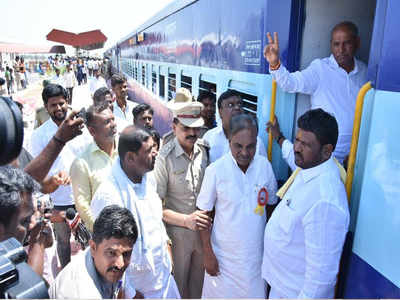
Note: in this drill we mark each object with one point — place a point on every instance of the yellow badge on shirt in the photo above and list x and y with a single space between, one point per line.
262 199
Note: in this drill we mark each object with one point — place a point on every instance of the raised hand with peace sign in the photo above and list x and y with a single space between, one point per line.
271 50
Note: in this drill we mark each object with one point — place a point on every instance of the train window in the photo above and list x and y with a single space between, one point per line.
186 82
130 67
154 82
143 75
161 80
207 86
249 102
171 86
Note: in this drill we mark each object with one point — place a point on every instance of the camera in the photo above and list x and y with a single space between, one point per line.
17 279
11 130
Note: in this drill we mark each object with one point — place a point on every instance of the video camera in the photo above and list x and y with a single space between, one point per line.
13 267
17 279
11 131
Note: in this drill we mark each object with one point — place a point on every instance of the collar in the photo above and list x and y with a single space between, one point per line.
309 174
334 63
105 288
115 103
179 150
236 164
93 147
52 124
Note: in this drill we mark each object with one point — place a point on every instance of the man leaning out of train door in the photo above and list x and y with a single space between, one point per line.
241 186
304 238
333 82
179 171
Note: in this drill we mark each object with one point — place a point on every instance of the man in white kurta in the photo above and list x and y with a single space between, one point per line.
305 235
332 82
237 232
150 269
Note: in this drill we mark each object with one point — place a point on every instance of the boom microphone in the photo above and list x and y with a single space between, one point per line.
81 233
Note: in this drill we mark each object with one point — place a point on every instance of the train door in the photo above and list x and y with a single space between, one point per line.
320 16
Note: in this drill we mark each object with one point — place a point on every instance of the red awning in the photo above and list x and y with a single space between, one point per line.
86 40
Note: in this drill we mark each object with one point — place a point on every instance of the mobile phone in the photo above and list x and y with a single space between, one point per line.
82 114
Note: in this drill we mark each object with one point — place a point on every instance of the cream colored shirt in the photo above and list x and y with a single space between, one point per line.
179 177
87 172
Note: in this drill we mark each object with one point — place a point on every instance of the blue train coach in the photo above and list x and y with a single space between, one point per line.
217 45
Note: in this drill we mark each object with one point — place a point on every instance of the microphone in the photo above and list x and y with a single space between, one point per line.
72 218
81 233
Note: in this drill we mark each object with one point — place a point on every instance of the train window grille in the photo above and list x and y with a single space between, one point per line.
171 86
186 82
161 80
154 82
205 86
136 72
130 68
249 102
143 75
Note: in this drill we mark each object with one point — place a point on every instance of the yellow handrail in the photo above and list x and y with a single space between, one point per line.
354 138
271 118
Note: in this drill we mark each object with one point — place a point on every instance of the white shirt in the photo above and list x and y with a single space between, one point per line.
80 280
41 136
69 79
96 83
219 144
58 80
237 232
332 89
123 118
304 238
288 154
151 277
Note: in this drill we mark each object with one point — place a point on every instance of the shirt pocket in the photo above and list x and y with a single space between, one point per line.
287 222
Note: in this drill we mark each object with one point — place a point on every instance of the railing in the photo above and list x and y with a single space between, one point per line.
354 139
271 118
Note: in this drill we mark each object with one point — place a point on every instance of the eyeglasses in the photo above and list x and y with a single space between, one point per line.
232 105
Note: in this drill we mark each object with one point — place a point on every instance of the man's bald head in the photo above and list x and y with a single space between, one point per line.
344 44
346 26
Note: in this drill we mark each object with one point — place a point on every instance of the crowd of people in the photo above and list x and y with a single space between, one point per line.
196 213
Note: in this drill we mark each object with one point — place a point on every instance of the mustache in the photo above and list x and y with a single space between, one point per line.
190 137
115 269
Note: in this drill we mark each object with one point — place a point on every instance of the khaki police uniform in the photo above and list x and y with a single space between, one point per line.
179 179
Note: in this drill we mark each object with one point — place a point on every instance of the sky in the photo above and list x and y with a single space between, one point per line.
29 21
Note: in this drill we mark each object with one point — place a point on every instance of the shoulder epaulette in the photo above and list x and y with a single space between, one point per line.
203 143
167 148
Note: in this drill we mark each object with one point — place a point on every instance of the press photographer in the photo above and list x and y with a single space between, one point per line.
16 211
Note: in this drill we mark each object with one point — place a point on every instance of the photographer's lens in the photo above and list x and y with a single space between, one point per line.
11 130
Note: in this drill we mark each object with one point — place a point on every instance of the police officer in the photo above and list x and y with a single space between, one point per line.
179 171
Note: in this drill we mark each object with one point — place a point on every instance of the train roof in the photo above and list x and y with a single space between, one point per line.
162 14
